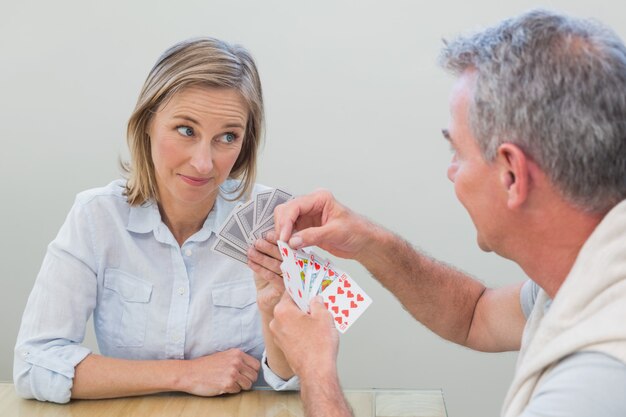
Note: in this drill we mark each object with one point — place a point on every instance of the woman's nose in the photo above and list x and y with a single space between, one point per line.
202 158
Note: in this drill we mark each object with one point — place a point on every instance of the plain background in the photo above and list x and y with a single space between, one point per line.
355 103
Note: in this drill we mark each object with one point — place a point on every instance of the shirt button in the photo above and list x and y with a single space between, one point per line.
181 290
188 252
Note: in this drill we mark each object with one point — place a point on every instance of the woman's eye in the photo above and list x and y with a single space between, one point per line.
185 130
229 137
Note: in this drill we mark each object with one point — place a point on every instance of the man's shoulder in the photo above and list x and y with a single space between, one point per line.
528 296
582 384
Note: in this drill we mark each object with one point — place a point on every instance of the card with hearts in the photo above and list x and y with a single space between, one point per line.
346 301
342 295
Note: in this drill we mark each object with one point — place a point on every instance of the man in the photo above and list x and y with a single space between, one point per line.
538 130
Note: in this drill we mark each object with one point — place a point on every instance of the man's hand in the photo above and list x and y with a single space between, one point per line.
225 372
317 219
310 342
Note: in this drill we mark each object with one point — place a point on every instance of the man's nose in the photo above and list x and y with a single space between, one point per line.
452 168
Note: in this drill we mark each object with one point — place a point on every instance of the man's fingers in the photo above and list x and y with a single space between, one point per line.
312 236
285 307
306 209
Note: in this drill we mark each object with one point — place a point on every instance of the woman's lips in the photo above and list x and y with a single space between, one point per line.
194 180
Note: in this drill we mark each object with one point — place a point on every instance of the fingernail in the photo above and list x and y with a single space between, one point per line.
295 242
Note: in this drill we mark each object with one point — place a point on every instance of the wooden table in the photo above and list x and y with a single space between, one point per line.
258 403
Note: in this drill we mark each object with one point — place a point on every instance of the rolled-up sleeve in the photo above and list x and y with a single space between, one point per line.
276 382
53 325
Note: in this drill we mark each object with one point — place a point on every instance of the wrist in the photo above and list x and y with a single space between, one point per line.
318 373
376 241
178 380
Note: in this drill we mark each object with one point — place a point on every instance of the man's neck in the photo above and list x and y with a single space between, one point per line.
550 242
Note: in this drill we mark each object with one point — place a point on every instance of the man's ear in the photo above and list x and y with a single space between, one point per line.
514 174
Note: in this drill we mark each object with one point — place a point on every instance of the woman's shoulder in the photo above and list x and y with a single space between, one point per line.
113 193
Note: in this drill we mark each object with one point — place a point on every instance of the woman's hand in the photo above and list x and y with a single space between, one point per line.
225 372
264 259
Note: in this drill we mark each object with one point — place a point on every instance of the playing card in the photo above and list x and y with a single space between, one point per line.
260 201
232 251
278 197
346 301
305 275
302 261
328 274
245 218
232 233
261 230
291 276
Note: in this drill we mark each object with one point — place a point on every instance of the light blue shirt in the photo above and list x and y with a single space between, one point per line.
150 298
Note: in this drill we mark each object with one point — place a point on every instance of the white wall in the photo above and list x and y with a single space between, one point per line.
355 103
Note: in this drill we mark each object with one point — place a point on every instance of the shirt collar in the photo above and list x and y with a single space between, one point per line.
146 217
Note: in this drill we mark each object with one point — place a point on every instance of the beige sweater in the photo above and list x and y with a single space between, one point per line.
587 314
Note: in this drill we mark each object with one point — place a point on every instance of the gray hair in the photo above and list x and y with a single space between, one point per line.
556 87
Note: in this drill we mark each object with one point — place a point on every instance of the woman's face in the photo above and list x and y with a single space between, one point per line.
196 137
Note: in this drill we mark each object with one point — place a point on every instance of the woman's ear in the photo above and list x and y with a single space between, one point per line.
514 174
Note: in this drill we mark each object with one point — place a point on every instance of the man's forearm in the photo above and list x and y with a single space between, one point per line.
437 295
322 396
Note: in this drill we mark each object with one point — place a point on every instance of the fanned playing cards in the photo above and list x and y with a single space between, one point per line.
306 274
247 222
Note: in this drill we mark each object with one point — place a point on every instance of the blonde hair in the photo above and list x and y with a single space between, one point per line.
194 62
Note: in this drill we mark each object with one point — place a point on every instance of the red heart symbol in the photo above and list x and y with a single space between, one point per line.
350 295
299 294
339 290
353 304
331 273
332 298
346 284
335 309
326 305
301 264
317 266
285 251
338 319
359 297
346 312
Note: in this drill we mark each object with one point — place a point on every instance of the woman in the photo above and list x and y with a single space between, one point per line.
169 314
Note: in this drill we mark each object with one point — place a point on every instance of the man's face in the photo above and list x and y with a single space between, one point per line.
475 180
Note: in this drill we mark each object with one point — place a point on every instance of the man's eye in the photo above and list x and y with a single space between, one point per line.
185 130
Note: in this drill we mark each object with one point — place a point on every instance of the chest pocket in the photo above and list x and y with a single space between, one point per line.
127 298
236 321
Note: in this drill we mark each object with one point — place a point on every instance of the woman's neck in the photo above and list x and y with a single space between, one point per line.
183 219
